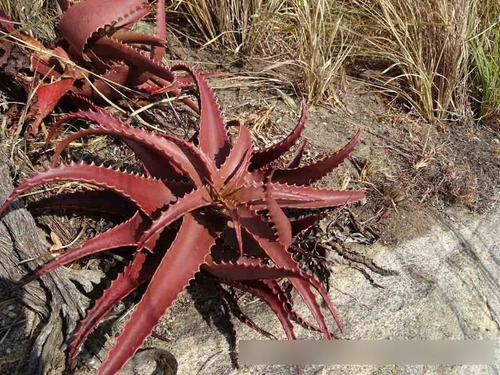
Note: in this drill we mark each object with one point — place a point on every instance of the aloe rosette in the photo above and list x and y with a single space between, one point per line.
227 198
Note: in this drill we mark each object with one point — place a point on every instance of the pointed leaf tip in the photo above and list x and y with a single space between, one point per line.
317 170
260 158
213 137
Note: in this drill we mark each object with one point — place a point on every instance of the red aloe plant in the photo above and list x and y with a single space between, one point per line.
98 31
97 36
230 200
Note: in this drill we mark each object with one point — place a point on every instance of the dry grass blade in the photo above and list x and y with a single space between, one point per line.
310 31
38 15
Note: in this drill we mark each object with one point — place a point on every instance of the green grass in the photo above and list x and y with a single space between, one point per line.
486 60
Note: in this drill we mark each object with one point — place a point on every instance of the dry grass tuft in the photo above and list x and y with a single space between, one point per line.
305 33
438 168
426 45
320 45
243 26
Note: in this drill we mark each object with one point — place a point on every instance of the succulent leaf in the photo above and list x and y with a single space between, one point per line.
148 194
315 171
190 202
177 268
136 273
213 137
279 254
47 98
123 235
265 156
87 17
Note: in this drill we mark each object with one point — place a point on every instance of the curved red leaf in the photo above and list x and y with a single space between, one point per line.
82 102
243 271
278 253
123 235
280 293
179 265
317 170
183 206
48 96
173 151
147 193
110 49
131 37
263 292
85 18
289 196
136 273
265 156
278 218
267 294
295 160
237 156
213 137
117 74
242 317
161 31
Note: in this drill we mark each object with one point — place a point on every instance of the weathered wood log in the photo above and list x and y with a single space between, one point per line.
54 297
